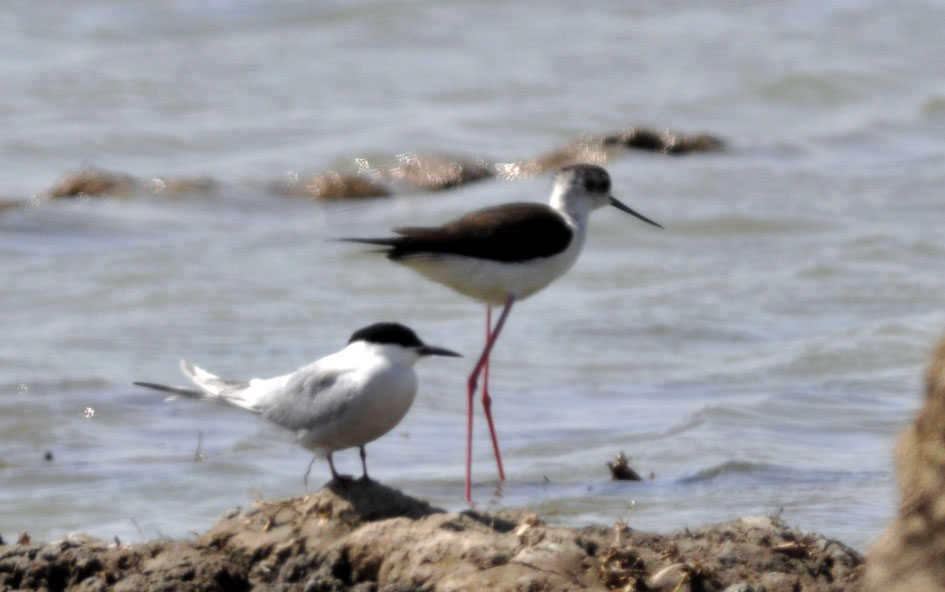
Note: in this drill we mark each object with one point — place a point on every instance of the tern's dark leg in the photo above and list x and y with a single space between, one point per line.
308 470
471 390
364 475
331 465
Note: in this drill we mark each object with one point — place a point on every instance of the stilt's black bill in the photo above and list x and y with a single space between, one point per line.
432 350
620 206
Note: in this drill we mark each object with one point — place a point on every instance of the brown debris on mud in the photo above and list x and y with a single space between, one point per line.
361 535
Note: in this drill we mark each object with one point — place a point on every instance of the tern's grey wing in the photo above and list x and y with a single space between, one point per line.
311 397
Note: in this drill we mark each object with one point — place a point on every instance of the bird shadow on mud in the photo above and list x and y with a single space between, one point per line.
372 500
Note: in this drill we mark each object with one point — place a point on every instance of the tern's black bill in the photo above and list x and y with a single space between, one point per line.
620 206
432 350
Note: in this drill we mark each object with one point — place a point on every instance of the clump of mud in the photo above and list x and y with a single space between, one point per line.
360 535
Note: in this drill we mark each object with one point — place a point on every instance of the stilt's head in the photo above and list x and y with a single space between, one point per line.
396 340
582 188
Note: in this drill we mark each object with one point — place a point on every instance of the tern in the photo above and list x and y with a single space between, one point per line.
499 255
343 400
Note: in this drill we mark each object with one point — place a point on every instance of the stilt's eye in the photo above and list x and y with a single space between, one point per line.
597 184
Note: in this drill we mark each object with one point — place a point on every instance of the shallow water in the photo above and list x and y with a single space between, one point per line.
758 356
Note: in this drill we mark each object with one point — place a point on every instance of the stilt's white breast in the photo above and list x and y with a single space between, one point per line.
494 281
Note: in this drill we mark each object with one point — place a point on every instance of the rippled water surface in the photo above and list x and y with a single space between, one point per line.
758 356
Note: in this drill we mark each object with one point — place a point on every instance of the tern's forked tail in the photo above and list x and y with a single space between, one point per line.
176 390
210 386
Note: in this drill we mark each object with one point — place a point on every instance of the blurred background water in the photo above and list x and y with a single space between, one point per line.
758 356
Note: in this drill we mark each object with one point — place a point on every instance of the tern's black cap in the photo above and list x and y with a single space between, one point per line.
397 334
387 333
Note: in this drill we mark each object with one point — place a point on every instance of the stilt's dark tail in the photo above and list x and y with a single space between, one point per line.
389 241
390 244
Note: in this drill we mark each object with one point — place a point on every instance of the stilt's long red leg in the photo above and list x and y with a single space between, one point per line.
471 391
469 434
487 400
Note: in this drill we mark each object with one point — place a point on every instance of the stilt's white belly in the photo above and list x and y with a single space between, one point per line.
494 281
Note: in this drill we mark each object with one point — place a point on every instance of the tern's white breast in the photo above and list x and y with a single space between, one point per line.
375 397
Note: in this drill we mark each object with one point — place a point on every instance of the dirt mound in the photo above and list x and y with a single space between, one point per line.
910 554
356 535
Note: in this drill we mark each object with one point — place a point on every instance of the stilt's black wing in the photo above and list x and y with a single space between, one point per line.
507 233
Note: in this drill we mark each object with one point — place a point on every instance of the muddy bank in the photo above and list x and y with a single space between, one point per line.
380 177
910 553
364 536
